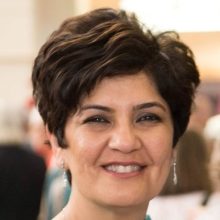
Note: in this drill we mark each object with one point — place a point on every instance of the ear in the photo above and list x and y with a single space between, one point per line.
56 149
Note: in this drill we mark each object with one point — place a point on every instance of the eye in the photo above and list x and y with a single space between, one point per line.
149 118
96 119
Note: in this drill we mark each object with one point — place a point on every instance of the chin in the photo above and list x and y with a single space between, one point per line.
123 200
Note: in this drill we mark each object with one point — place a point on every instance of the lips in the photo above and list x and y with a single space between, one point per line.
121 168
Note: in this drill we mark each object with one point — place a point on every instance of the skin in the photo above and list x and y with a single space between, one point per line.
124 121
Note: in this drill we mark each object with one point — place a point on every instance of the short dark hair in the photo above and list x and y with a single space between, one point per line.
106 43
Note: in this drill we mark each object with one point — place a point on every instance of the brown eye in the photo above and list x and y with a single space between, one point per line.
96 119
149 118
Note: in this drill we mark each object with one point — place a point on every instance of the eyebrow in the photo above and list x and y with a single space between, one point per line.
108 109
150 105
98 107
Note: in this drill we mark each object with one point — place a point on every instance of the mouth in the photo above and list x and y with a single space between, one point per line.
123 169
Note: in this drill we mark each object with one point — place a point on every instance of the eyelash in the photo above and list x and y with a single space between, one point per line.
149 118
144 118
96 119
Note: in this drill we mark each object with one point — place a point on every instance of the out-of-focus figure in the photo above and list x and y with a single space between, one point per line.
193 188
202 110
22 171
37 136
55 195
212 134
58 195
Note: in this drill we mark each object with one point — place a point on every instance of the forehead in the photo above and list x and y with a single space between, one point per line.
136 87
125 80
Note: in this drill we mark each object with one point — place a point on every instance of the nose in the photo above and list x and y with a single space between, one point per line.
124 138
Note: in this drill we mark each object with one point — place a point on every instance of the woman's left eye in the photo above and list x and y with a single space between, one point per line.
96 119
149 118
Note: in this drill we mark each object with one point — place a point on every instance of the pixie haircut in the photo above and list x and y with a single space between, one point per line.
106 43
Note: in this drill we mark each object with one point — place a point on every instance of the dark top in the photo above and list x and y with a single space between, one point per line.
21 181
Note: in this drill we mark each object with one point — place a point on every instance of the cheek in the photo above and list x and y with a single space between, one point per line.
160 148
85 148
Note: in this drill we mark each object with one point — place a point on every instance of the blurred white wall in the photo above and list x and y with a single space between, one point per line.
24 26
16 46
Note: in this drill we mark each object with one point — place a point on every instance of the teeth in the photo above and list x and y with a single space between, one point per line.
123 169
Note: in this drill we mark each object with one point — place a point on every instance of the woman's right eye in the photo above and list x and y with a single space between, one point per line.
96 119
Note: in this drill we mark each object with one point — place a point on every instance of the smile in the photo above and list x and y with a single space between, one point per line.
118 168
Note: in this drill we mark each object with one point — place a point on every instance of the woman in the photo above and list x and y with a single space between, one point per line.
115 99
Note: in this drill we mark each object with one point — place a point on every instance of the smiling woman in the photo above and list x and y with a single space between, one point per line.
113 143
115 99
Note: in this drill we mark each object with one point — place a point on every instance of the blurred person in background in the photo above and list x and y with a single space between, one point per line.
58 194
55 192
36 136
22 171
193 188
212 134
202 110
55 195
212 209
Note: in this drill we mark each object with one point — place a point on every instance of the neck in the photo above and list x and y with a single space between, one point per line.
79 208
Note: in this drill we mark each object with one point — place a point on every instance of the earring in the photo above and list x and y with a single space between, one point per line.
174 172
65 180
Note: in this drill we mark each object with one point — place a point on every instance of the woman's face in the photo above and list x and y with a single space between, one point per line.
120 142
